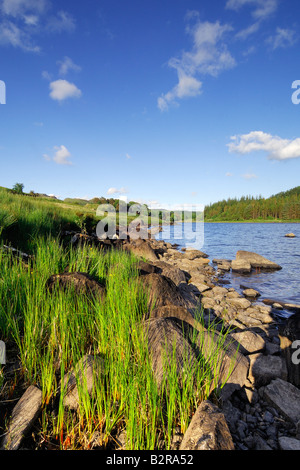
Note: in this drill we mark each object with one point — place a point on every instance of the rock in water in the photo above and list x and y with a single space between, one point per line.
256 261
241 266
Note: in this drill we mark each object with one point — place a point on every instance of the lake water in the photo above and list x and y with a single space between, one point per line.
223 240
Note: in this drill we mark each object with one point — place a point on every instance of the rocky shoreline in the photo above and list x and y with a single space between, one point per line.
259 407
263 413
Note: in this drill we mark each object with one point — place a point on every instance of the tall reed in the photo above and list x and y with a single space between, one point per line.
53 331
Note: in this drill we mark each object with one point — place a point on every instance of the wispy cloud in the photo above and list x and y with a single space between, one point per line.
62 21
275 147
261 8
66 65
46 75
249 176
23 20
17 8
13 35
209 55
62 89
282 38
61 156
246 32
111 191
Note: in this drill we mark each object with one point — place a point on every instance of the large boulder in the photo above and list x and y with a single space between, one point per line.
161 291
229 365
82 283
208 430
167 343
181 314
172 272
256 260
141 248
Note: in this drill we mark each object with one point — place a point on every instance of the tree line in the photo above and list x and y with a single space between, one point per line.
281 206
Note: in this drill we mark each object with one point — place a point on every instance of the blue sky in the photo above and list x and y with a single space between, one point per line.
173 101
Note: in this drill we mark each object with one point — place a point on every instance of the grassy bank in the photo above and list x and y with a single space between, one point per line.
47 334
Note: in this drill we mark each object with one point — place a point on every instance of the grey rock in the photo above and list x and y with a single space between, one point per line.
256 260
263 369
252 293
250 341
240 266
289 443
208 430
285 397
22 418
239 303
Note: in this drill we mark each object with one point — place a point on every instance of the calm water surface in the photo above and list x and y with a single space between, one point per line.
223 240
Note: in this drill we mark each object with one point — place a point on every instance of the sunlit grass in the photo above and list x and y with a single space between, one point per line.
53 331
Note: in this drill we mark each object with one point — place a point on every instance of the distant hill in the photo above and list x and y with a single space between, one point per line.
283 206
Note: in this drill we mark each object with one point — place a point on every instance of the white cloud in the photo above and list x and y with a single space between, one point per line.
66 65
111 191
276 147
249 176
62 89
282 38
187 86
208 56
128 156
228 174
262 8
61 155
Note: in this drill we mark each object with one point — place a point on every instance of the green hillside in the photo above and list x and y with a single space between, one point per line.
284 206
